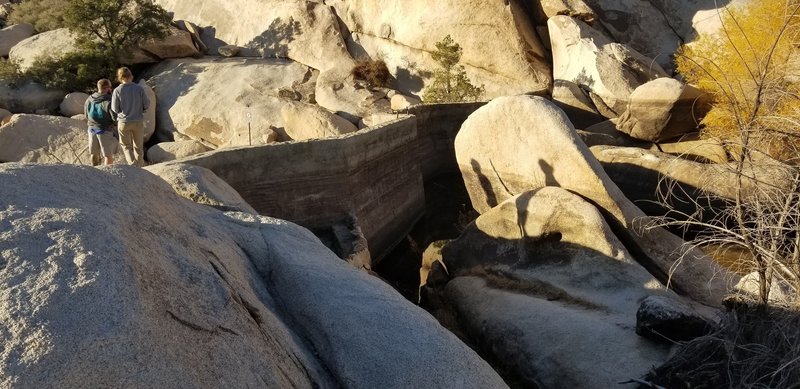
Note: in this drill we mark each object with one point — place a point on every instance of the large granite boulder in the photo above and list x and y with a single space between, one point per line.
12 35
29 98
162 292
73 104
542 286
176 44
663 109
307 121
338 91
201 186
150 114
305 31
44 138
515 144
656 28
501 49
168 151
609 71
223 102
53 43
657 182
576 103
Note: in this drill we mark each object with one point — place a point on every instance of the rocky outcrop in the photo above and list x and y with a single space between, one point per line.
183 294
168 151
663 109
54 44
176 44
338 91
656 28
542 285
38 138
223 102
574 8
516 144
609 71
576 103
12 35
307 121
670 320
501 49
305 31
73 104
29 98
201 186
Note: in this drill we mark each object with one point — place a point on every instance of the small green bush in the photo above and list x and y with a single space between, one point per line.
76 71
450 82
373 72
44 15
9 73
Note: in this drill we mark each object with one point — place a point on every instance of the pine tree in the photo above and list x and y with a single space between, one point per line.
450 82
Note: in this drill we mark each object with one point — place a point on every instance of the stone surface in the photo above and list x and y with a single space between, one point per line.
4 113
29 97
38 138
73 104
695 148
12 35
305 31
515 144
576 103
573 8
647 176
187 295
201 186
588 58
543 286
306 121
669 320
663 109
224 102
177 44
150 114
656 28
399 102
377 119
337 91
195 32
229 50
501 49
168 151
54 43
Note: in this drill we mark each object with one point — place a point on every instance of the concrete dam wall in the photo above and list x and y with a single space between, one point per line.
376 174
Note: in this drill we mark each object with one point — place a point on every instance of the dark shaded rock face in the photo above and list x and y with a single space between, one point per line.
668 320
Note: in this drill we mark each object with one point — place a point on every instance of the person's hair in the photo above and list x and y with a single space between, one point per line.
102 83
124 74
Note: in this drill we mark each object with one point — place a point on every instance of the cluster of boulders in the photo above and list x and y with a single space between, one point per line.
551 284
287 64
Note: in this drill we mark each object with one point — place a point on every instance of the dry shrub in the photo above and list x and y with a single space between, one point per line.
755 348
373 71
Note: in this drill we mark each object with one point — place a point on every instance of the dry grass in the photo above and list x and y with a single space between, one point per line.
755 348
374 72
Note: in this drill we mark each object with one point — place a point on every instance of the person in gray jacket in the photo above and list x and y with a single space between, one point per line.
128 103
102 132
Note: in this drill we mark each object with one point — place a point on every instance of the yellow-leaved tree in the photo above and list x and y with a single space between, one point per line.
752 67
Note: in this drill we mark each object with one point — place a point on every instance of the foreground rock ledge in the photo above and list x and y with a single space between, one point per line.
108 278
